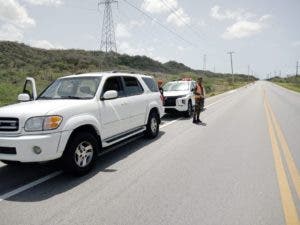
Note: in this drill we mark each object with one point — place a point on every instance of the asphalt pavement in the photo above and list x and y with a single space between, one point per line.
239 167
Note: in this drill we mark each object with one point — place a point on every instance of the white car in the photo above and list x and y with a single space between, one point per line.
179 96
77 116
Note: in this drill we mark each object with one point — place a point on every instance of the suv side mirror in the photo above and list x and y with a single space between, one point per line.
23 97
110 95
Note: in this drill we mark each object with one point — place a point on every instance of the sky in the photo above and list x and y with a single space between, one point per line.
263 34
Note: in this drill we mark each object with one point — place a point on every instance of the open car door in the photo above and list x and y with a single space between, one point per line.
29 90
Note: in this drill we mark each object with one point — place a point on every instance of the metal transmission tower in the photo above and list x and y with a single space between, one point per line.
108 39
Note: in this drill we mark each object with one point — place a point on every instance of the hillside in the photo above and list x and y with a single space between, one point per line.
18 61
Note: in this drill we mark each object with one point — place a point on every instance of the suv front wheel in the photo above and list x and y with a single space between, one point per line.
152 125
189 111
80 154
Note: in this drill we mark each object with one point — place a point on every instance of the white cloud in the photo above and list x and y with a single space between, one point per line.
122 31
136 23
265 18
44 44
180 48
179 18
127 48
239 14
177 15
9 32
242 29
157 6
246 24
11 11
45 2
296 44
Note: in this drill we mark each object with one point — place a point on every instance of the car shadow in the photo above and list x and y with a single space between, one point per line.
174 116
65 181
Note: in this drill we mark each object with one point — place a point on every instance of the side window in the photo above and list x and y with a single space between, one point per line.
151 84
114 84
133 87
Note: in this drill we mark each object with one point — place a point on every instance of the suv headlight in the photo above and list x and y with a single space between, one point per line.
43 123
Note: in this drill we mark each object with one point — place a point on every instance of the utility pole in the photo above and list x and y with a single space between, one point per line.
231 62
204 62
108 40
248 72
297 67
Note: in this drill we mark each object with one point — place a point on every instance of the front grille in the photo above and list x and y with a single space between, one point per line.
8 150
9 124
170 101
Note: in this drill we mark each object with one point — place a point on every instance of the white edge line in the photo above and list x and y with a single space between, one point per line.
167 124
30 185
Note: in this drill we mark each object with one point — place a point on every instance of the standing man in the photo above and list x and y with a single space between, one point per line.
160 84
199 100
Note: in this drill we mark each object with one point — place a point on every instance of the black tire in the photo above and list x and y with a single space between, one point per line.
189 112
10 163
82 149
152 126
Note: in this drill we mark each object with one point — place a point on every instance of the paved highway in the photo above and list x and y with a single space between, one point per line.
240 167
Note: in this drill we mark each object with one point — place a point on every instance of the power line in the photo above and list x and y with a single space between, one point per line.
162 25
173 10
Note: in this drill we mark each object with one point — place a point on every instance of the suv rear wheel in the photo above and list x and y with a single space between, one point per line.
80 154
152 125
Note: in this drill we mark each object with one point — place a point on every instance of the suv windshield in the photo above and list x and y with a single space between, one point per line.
176 86
72 88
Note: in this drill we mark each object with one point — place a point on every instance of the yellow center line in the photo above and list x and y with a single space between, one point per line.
287 153
289 208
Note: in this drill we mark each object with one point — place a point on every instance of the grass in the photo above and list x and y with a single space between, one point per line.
292 83
291 86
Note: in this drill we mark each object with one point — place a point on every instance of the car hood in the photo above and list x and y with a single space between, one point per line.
38 108
175 93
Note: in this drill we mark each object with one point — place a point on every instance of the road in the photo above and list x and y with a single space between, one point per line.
240 167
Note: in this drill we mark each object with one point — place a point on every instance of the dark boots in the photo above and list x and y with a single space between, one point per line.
196 120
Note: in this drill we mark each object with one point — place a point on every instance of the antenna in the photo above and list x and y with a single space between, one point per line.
108 40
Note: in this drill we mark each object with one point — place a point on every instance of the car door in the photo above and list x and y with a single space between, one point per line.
113 112
30 88
137 102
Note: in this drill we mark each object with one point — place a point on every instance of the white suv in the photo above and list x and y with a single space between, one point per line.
179 96
77 116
